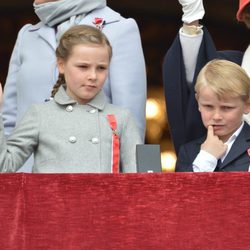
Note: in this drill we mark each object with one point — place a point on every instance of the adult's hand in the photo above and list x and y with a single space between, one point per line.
193 10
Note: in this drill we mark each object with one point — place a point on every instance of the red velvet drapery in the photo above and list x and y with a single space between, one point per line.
125 211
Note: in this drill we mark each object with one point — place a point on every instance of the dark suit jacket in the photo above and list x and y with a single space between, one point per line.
183 115
236 160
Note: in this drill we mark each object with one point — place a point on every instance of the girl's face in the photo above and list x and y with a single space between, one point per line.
85 71
44 1
224 114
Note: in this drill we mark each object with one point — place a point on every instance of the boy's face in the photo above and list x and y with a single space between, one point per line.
85 71
224 114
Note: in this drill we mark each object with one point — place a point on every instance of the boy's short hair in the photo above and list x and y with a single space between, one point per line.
224 77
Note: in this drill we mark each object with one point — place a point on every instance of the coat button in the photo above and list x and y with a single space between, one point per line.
95 140
92 111
69 108
72 139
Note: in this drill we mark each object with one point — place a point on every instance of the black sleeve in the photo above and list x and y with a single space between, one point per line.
184 161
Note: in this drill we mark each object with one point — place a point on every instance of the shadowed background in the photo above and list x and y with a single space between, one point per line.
158 21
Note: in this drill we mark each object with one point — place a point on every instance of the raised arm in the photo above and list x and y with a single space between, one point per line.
21 143
180 66
191 34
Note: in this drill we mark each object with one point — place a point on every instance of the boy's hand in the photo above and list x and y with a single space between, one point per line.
213 144
192 10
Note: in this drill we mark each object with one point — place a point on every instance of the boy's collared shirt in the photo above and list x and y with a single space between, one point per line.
206 162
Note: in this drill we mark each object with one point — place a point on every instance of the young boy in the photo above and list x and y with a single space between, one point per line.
222 92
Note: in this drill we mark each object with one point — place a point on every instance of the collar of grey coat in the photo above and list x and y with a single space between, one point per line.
98 102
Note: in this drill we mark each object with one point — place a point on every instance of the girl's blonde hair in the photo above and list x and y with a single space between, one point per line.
224 77
76 35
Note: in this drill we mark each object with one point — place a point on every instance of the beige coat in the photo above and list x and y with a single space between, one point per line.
68 137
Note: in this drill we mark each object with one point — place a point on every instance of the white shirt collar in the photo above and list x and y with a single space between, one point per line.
235 134
231 140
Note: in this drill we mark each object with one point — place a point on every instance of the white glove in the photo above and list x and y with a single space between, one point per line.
192 10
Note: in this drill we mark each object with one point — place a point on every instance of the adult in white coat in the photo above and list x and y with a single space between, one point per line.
33 71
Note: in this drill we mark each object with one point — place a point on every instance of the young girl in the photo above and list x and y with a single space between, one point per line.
32 69
78 131
223 95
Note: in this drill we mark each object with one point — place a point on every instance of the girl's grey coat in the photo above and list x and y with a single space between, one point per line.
33 72
68 137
